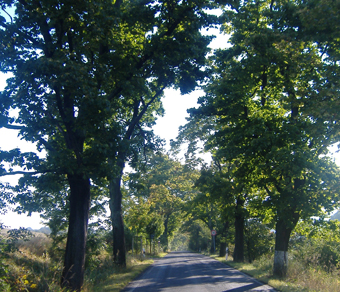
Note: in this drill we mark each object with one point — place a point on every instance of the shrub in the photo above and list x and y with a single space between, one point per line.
317 244
258 239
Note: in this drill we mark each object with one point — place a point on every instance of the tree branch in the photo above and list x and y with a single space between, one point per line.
13 127
8 15
144 59
21 172
137 117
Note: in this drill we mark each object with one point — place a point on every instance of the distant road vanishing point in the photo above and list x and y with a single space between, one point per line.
190 272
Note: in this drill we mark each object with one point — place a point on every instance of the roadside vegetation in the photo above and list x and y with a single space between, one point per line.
314 260
30 262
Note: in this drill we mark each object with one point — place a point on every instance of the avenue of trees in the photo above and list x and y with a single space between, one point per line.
270 114
87 79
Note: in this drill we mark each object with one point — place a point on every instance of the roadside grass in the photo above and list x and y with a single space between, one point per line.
108 278
299 279
32 268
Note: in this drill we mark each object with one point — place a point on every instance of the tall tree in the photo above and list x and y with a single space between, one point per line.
87 76
171 55
273 96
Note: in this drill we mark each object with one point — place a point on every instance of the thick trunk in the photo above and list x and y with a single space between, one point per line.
119 256
74 265
239 231
288 217
283 231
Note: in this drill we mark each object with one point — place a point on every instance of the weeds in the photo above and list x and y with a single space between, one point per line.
32 266
300 277
29 266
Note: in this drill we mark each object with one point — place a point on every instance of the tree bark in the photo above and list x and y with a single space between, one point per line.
223 246
119 254
223 243
239 230
74 265
165 234
288 217
283 231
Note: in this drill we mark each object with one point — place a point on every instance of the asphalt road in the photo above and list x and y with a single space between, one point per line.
184 271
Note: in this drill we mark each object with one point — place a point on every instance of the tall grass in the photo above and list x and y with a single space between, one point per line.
300 278
111 278
31 268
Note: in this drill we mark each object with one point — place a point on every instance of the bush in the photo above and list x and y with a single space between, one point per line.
258 239
317 244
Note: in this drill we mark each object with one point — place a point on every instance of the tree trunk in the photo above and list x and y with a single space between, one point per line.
288 217
223 241
239 230
165 234
212 244
283 231
281 248
74 265
150 245
223 246
119 256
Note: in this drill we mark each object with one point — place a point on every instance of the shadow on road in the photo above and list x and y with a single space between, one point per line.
193 272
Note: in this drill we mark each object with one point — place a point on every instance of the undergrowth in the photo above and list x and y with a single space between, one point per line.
300 277
31 266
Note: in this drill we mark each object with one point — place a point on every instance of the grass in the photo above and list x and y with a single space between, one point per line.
113 279
299 279
32 268
116 279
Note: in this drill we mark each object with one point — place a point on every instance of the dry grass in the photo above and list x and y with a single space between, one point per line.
299 278
113 279
30 268
110 278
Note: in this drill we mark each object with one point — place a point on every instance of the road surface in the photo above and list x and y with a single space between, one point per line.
190 272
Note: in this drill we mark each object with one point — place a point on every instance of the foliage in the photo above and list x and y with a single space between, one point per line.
267 101
14 236
157 193
95 245
316 243
87 83
4 286
259 239
31 269
199 235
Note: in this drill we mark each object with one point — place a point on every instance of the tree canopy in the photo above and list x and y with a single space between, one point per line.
87 79
272 96
87 83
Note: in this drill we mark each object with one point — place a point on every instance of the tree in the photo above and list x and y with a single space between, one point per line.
87 77
171 55
166 185
269 96
229 196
